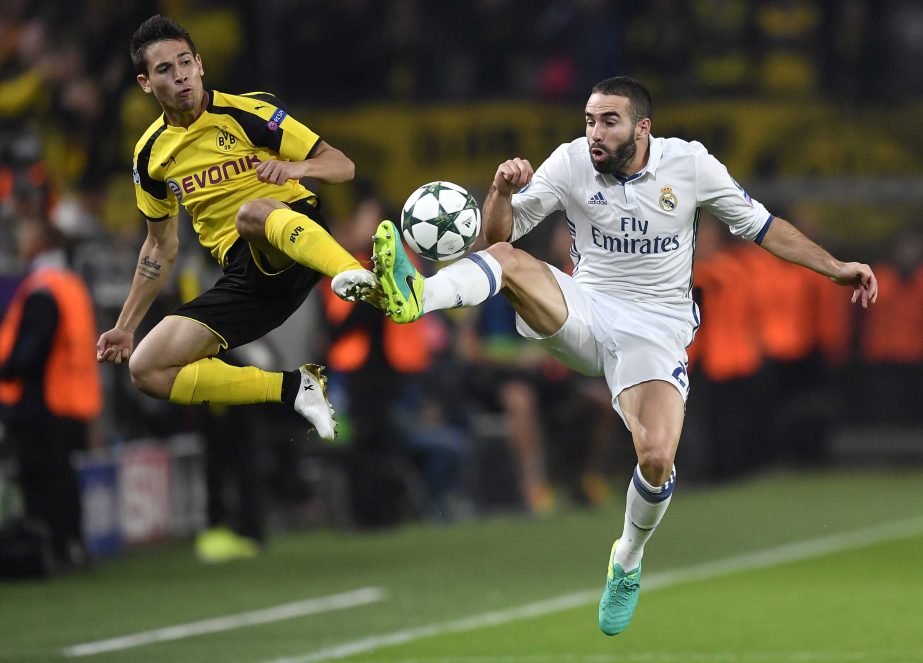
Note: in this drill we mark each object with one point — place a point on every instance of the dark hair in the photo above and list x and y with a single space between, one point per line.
156 28
625 86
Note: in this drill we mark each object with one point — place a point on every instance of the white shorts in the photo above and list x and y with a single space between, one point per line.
628 342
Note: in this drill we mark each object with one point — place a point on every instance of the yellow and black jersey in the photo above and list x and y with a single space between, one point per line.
210 167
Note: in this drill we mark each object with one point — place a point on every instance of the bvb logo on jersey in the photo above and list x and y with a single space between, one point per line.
668 201
225 140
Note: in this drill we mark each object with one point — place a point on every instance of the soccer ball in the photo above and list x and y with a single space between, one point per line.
440 221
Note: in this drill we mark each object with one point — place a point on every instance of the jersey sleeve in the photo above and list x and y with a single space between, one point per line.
154 198
298 141
721 195
546 193
267 123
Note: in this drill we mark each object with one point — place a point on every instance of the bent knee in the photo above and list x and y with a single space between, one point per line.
517 265
502 251
251 216
140 371
148 378
656 453
655 468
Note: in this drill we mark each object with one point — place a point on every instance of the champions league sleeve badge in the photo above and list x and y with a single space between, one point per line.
276 119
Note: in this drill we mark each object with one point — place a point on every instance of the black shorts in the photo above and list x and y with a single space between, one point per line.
246 303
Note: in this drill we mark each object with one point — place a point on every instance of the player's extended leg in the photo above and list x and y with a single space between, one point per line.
654 411
283 234
175 362
526 282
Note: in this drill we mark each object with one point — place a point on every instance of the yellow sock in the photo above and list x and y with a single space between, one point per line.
213 381
307 243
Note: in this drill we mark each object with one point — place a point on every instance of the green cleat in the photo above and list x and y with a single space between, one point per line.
221 544
620 597
401 283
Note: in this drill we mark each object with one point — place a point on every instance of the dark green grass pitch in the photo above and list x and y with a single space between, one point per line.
861 605
791 568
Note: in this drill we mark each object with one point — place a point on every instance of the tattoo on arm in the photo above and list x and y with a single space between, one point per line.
149 268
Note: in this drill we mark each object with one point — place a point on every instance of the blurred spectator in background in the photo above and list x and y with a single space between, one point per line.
795 421
49 386
377 362
234 504
758 347
503 375
891 340
725 359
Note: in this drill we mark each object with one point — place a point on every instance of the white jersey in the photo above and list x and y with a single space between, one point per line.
634 238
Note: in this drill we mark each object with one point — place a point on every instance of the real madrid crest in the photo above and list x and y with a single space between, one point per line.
668 201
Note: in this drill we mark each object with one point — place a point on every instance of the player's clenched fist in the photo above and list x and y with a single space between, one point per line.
512 175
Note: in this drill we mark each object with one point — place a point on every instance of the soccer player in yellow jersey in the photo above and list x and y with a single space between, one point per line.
235 163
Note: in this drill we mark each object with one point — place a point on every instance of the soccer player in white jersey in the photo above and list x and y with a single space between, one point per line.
631 202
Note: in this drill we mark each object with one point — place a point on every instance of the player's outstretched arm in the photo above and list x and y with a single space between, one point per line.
157 255
787 242
511 176
328 165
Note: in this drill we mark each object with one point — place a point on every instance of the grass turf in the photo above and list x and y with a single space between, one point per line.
856 605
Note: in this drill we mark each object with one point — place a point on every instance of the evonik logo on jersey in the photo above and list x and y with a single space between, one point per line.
212 175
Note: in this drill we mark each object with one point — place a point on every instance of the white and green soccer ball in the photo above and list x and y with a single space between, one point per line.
440 221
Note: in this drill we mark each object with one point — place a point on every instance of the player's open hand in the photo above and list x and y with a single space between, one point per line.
278 172
115 346
512 175
862 280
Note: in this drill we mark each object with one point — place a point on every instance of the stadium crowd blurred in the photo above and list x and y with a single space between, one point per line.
477 419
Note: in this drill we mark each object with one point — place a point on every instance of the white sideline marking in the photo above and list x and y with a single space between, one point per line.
761 559
277 613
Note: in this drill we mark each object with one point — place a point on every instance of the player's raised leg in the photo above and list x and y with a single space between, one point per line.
175 362
525 281
654 411
282 234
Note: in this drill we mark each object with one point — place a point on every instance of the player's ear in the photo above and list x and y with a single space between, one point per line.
198 59
643 128
144 83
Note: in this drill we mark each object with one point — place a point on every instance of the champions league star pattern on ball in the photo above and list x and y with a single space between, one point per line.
440 221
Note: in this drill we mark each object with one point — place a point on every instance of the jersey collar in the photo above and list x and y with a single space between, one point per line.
653 159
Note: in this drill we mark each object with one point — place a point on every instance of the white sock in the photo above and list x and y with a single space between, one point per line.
644 508
466 282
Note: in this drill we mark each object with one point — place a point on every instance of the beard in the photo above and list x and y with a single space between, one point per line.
614 161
